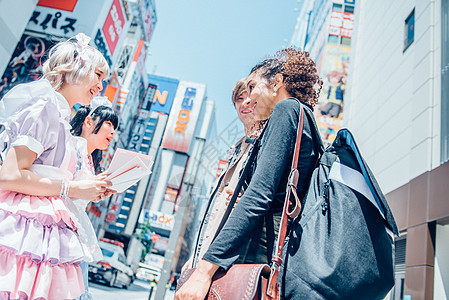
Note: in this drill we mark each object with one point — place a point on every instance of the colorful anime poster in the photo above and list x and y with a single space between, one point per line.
26 62
333 69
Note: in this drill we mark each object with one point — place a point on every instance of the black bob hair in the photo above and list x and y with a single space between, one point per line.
100 115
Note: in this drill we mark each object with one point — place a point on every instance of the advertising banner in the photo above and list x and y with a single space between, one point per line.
65 18
183 116
67 5
114 25
114 207
148 15
341 24
138 131
160 220
165 93
333 69
113 31
26 62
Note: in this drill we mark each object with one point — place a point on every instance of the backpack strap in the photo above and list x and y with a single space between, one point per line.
288 211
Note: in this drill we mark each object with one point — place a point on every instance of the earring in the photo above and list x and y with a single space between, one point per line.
274 91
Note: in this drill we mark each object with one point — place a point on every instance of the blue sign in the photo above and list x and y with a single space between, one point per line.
165 93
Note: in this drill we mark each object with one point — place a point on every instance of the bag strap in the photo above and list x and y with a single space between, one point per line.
291 209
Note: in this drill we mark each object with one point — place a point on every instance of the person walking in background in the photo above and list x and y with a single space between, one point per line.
277 86
237 155
96 128
40 249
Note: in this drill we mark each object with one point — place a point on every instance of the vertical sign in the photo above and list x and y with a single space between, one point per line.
165 93
113 26
183 116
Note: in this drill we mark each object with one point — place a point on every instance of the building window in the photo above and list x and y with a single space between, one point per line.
349 9
345 41
334 39
409 32
337 7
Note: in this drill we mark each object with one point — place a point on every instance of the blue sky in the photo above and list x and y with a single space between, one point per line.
217 42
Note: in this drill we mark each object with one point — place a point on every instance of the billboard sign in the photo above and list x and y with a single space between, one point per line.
165 93
67 5
334 70
114 207
65 18
114 25
183 116
138 131
341 24
26 62
148 15
160 220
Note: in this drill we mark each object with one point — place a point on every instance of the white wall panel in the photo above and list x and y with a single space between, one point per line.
392 94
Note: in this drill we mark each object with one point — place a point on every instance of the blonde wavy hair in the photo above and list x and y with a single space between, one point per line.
65 66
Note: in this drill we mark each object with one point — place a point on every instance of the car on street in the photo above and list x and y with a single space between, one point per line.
112 269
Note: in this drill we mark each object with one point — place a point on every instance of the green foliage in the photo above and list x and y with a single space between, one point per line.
140 235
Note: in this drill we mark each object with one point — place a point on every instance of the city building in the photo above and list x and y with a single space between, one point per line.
183 172
324 28
397 107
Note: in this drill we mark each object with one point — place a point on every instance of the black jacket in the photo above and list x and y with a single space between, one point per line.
267 187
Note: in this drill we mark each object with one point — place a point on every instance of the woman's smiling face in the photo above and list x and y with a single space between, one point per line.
261 95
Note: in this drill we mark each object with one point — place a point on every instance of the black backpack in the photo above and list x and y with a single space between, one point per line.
341 246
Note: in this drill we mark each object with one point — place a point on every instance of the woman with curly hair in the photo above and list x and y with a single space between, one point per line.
276 87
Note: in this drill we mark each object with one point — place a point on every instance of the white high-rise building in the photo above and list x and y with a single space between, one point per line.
397 106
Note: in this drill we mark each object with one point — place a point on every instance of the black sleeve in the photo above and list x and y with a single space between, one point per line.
273 164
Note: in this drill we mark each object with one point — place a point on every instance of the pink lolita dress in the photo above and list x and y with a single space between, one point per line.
40 249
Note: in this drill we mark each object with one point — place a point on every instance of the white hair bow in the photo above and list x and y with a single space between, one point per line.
99 101
82 45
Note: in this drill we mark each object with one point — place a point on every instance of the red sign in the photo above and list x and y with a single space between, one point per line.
113 26
67 5
348 25
341 24
221 167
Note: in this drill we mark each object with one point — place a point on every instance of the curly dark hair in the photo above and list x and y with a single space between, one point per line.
300 74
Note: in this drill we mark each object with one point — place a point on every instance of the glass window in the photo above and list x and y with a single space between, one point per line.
106 252
121 259
349 8
334 39
337 7
409 29
345 41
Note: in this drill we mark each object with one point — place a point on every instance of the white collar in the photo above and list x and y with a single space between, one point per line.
64 106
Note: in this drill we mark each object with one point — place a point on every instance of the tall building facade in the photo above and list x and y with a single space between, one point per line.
397 108
324 28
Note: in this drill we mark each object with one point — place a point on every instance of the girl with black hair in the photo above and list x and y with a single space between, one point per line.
95 128
102 118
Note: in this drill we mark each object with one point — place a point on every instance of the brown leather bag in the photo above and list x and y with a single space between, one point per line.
241 281
256 281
